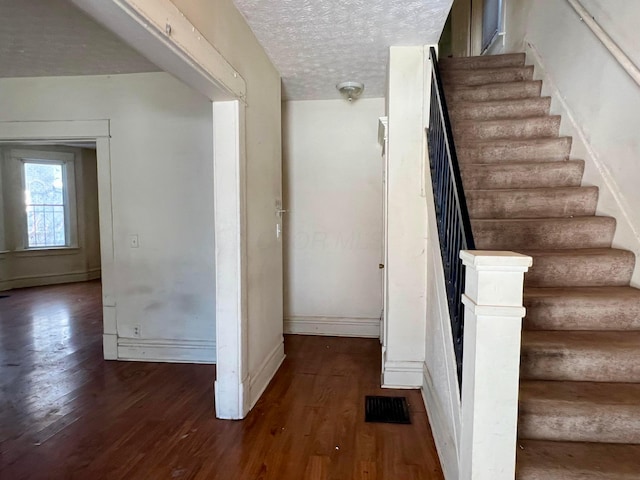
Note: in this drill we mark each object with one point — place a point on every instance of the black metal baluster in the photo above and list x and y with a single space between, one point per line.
454 225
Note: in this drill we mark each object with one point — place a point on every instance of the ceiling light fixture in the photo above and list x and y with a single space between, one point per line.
350 90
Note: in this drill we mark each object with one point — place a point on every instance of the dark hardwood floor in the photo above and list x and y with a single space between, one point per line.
65 413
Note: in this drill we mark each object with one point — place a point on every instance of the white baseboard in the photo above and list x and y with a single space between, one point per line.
442 435
333 326
406 375
611 200
260 380
172 351
50 279
94 274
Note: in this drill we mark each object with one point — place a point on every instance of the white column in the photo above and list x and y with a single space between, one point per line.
491 363
405 266
229 177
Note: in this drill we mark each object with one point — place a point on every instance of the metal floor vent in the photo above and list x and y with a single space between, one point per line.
386 410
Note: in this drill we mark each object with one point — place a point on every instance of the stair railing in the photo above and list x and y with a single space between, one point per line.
454 225
487 288
609 43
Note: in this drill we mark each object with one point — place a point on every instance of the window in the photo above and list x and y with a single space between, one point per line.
43 188
44 191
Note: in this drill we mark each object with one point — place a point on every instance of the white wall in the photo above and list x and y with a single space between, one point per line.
27 268
599 102
333 191
225 28
620 20
162 189
516 16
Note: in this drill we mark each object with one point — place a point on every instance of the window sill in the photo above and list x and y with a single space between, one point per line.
45 252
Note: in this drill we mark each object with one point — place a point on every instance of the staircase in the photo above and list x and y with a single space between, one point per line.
580 368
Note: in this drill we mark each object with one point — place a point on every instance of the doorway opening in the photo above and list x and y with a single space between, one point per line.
50 235
473 28
49 220
50 274
56 210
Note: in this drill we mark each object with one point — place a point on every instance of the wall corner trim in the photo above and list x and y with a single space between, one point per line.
54 130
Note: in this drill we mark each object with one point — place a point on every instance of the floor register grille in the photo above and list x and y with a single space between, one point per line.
386 410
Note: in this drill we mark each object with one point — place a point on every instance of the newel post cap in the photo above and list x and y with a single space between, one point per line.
497 261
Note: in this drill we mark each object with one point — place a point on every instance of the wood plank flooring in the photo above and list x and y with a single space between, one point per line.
67 414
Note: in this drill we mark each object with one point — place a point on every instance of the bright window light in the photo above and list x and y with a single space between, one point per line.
45 204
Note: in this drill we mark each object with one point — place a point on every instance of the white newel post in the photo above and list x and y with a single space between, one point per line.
491 363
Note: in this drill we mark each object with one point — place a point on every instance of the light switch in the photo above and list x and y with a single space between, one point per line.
133 241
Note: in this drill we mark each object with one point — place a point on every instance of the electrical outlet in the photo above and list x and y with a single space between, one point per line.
136 331
133 241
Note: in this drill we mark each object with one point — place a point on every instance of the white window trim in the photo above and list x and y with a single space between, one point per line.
68 161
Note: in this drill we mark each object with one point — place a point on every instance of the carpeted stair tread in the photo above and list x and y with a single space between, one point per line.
547 460
522 175
546 126
495 91
581 356
493 176
532 202
499 109
543 233
580 411
514 150
484 76
596 393
583 267
582 308
486 61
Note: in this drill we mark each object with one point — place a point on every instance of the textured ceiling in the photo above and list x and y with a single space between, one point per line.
318 43
53 37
